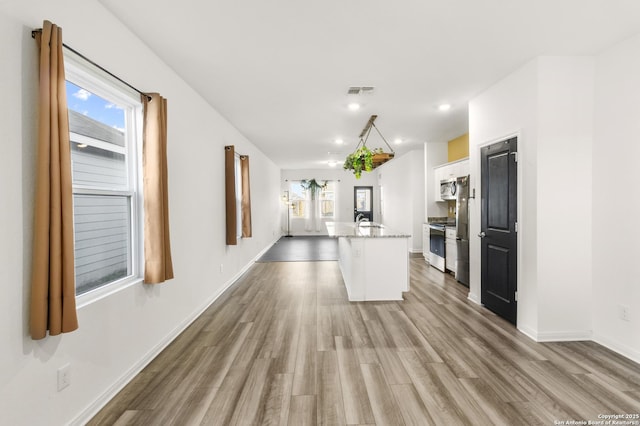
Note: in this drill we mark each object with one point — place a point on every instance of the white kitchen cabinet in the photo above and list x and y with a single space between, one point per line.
463 168
451 249
447 171
426 249
456 169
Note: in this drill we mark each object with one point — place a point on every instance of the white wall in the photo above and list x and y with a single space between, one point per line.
564 144
506 109
418 193
344 180
118 333
402 180
616 205
548 104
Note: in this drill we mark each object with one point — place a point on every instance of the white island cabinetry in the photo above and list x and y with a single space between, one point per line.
374 260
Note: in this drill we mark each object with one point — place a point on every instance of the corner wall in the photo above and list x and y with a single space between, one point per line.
548 104
564 197
402 180
509 108
119 333
616 205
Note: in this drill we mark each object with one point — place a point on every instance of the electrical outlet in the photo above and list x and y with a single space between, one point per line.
221 268
624 313
64 376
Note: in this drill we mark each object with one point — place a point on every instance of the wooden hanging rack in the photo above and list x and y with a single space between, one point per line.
364 134
379 158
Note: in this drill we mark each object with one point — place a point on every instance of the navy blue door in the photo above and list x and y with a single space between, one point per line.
498 228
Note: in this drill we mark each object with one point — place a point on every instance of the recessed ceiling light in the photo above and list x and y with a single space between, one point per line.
354 106
332 163
444 107
82 145
339 141
397 141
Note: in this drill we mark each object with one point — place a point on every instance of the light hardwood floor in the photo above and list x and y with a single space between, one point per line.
284 346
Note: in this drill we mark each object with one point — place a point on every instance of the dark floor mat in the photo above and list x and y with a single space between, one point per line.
302 249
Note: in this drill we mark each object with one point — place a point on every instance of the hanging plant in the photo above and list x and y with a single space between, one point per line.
361 159
364 158
313 186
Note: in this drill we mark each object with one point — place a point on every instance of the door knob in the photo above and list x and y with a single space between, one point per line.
482 235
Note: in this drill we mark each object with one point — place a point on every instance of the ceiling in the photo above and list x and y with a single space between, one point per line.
279 70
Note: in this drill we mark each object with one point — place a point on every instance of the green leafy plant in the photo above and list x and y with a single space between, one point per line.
313 186
361 159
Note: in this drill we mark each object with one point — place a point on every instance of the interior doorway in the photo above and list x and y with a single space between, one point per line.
499 228
363 202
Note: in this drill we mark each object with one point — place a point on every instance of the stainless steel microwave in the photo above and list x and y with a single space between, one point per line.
448 189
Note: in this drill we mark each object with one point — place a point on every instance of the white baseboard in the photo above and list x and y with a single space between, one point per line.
572 336
555 336
618 347
90 411
474 298
564 336
528 331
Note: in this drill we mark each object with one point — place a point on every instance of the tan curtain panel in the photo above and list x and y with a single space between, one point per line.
53 292
158 266
230 194
246 196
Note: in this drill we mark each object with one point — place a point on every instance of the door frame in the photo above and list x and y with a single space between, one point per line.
371 201
475 294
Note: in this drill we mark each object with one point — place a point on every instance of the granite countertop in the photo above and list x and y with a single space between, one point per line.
446 224
441 220
364 230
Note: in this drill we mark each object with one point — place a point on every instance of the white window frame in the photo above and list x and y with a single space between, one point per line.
83 74
292 201
334 191
305 200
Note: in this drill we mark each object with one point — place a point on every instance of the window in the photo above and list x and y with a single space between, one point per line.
327 201
299 198
104 124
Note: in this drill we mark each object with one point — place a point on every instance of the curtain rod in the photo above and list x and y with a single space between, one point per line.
39 30
328 180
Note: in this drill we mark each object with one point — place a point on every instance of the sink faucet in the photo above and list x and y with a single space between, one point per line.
360 218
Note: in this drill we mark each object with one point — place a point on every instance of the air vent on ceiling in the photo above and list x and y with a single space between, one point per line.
360 90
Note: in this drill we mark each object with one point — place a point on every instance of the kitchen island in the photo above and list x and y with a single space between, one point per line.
374 260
